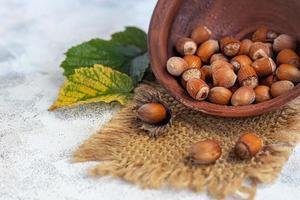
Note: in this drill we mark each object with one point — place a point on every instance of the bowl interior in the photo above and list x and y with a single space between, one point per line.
174 19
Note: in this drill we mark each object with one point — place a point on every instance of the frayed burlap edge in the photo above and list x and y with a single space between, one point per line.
106 145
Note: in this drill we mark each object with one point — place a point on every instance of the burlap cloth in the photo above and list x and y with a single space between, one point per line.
128 152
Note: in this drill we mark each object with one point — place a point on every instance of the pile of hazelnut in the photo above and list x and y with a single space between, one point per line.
236 72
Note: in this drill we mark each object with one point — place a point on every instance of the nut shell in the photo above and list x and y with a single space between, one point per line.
247 76
284 41
197 89
259 50
288 72
243 96
152 113
190 73
262 93
245 47
206 73
207 49
263 34
280 87
176 66
248 145
205 152
239 61
230 46
288 56
223 74
193 61
200 34
264 66
220 95
186 46
218 56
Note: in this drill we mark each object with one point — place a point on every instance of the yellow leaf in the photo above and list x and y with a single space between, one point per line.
95 84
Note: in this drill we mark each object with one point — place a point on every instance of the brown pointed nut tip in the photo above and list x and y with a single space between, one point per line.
206 73
230 46
288 56
248 145
243 96
197 89
288 72
193 61
263 34
176 66
264 66
245 47
205 152
218 56
247 76
186 46
219 95
284 41
200 34
259 50
281 87
262 93
223 74
240 60
268 80
190 73
152 113
207 49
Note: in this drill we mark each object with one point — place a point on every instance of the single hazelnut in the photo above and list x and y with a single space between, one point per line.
176 66
230 46
186 46
288 72
221 63
284 41
218 56
219 95
201 34
190 73
207 49
243 96
193 61
259 50
245 47
205 152
223 74
248 145
239 61
263 34
247 76
264 66
152 113
197 89
288 56
268 80
280 87
262 93
206 73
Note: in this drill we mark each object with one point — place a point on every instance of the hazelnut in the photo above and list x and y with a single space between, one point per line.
206 73
190 73
186 46
219 95
222 74
192 61
262 93
207 49
176 66
205 152
288 72
197 89
263 34
259 50
218 56
243 96
240 60
247 76
264 66
280 87
245 47
230 46
152 113
268 80
284 41
201 34
288 56
248 145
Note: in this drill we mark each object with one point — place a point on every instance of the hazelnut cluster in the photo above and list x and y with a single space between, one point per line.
236 72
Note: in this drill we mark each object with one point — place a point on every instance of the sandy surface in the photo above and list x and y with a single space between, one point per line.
36 145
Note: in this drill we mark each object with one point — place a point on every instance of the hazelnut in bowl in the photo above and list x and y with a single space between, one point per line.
227 58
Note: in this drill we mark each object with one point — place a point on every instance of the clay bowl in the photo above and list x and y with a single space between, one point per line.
173 19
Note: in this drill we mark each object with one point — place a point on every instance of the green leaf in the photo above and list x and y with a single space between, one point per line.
118 53
95 84
138 67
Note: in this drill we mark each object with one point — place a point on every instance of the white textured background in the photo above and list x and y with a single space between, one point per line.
36 145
